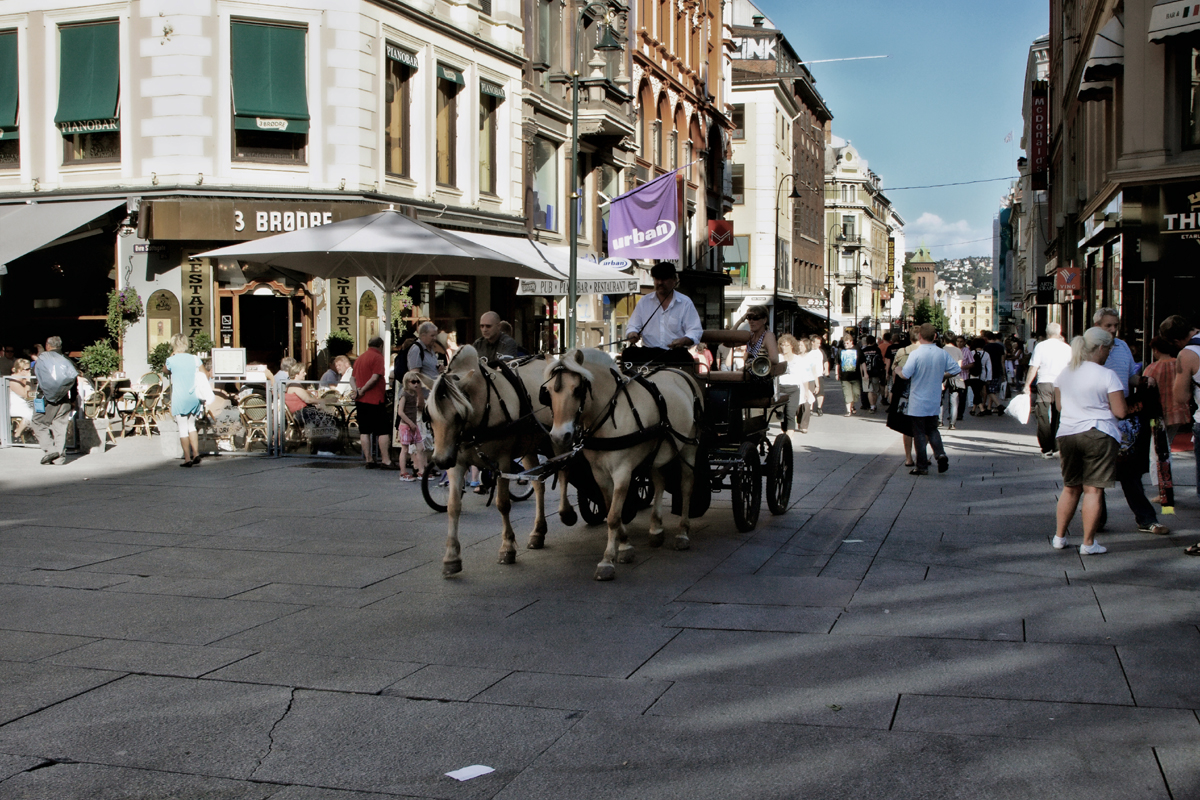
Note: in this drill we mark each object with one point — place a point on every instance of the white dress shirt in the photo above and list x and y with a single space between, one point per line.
677 320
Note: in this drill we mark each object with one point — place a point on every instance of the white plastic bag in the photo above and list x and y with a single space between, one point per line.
1018 408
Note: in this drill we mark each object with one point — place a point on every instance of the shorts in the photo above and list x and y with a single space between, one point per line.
993 387
372 419
186 424
874 386
1088 459
409 436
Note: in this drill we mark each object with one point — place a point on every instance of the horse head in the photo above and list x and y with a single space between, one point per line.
566 389
451 405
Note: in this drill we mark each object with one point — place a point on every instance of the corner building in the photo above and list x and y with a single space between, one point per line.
134 135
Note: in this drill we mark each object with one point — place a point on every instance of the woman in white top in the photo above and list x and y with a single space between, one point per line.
1090 399
795 382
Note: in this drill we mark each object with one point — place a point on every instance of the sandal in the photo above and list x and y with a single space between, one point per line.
1194 550
910 464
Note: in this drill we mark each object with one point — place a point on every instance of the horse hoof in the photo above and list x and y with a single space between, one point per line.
656 540
508 557
682 543
625 556
451 568
568 517
537 541
606 572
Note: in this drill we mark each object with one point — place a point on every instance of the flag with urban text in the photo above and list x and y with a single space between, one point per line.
644 222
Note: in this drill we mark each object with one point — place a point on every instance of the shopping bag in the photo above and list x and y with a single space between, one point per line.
1018 408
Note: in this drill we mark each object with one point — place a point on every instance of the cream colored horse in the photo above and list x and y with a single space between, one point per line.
620 425
477 420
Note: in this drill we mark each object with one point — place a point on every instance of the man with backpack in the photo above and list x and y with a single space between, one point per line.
52 407
872 372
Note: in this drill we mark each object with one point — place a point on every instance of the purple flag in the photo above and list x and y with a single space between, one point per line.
644 222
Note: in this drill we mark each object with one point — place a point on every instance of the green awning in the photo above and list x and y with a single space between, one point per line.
89 79
269 89
397 53
451 74
491 89
8 85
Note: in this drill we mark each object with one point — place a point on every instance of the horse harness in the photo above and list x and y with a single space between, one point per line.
643 434
484 434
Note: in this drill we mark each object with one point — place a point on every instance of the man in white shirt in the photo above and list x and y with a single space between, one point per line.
665 323
1049 359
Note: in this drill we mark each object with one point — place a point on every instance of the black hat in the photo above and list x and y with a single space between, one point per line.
663 270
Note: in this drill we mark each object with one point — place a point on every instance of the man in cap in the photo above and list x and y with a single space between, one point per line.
664 323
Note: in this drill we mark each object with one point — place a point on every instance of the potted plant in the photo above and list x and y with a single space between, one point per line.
100 359
338 343
159 355
201 343
124 309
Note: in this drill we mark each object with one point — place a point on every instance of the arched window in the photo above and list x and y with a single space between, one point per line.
848 300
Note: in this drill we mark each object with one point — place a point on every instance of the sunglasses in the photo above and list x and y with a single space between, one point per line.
414 381
754 316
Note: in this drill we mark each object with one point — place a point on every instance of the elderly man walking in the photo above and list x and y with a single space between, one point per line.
925 369
1050 358
52 409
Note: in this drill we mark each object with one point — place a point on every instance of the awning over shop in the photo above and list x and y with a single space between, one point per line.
451 74
1174 19
1106 60
8 85
590 277
32 226
269 90
89 79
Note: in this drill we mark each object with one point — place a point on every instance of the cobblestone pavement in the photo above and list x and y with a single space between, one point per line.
258 628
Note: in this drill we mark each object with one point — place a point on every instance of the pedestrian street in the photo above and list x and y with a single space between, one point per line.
280 628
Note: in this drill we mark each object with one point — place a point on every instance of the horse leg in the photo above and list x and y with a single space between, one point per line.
537 538
566 512
618 488
656 523
687 484
452 561
508 538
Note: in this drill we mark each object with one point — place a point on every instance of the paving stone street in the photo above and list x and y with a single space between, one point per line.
280 628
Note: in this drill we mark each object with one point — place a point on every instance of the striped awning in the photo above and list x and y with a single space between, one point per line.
1174 19
1107 57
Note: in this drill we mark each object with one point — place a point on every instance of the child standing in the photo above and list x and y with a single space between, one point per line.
408 431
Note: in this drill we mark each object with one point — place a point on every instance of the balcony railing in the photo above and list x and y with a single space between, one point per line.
847 240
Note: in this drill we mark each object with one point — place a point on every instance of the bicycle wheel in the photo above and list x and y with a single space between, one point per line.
522 489
436 496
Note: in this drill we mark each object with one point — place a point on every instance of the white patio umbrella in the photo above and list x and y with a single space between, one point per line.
388 246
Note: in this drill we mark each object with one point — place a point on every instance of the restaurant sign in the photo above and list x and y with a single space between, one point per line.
549 287
1183 219
343 305
891 266
237 220
90 126
197 296
1039 134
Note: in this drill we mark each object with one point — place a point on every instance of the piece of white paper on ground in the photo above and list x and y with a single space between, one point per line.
851 541
473 771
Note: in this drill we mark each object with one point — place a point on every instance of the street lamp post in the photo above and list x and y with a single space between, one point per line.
606 44
795 195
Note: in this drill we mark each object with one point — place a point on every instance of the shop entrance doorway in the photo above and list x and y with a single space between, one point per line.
269 324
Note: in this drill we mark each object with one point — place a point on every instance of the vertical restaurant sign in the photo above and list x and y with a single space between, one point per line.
343 305
1039 134
891 266
197 296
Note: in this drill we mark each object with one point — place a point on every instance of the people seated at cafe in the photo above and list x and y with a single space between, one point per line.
339 376
19 396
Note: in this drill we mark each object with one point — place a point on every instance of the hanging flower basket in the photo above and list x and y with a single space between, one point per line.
124 309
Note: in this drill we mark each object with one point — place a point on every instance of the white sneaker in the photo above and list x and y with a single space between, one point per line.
1092 549
1058 542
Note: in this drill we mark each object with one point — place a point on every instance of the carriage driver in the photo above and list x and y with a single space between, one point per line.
664 322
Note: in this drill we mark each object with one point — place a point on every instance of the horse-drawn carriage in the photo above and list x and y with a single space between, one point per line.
623 437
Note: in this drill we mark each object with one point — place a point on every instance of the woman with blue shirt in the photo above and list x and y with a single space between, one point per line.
185 403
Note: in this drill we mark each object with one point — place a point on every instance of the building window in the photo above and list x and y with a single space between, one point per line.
449 81
270 96
1191 133
89 78
10 144
739 121
848 225
739 183
610 186
400 66
545 184
490 97
848 300
545 30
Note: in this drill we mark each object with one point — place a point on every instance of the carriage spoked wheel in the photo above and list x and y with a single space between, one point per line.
745 484
436 496
591 506
779 474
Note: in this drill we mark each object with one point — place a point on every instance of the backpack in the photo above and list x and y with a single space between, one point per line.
977 366
55 376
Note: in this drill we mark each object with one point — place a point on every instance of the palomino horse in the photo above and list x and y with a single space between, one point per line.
486 416
622 423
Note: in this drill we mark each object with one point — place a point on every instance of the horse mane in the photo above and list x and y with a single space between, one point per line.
592 359
464 352
446 393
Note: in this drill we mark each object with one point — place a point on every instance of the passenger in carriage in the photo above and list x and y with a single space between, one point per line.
664 324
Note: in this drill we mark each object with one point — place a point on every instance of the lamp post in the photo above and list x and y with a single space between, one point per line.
606 44
829 275
795 195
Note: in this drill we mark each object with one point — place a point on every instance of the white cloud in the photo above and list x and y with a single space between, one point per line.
948 239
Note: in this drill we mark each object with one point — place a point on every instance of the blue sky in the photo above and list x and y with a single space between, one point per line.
936 111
